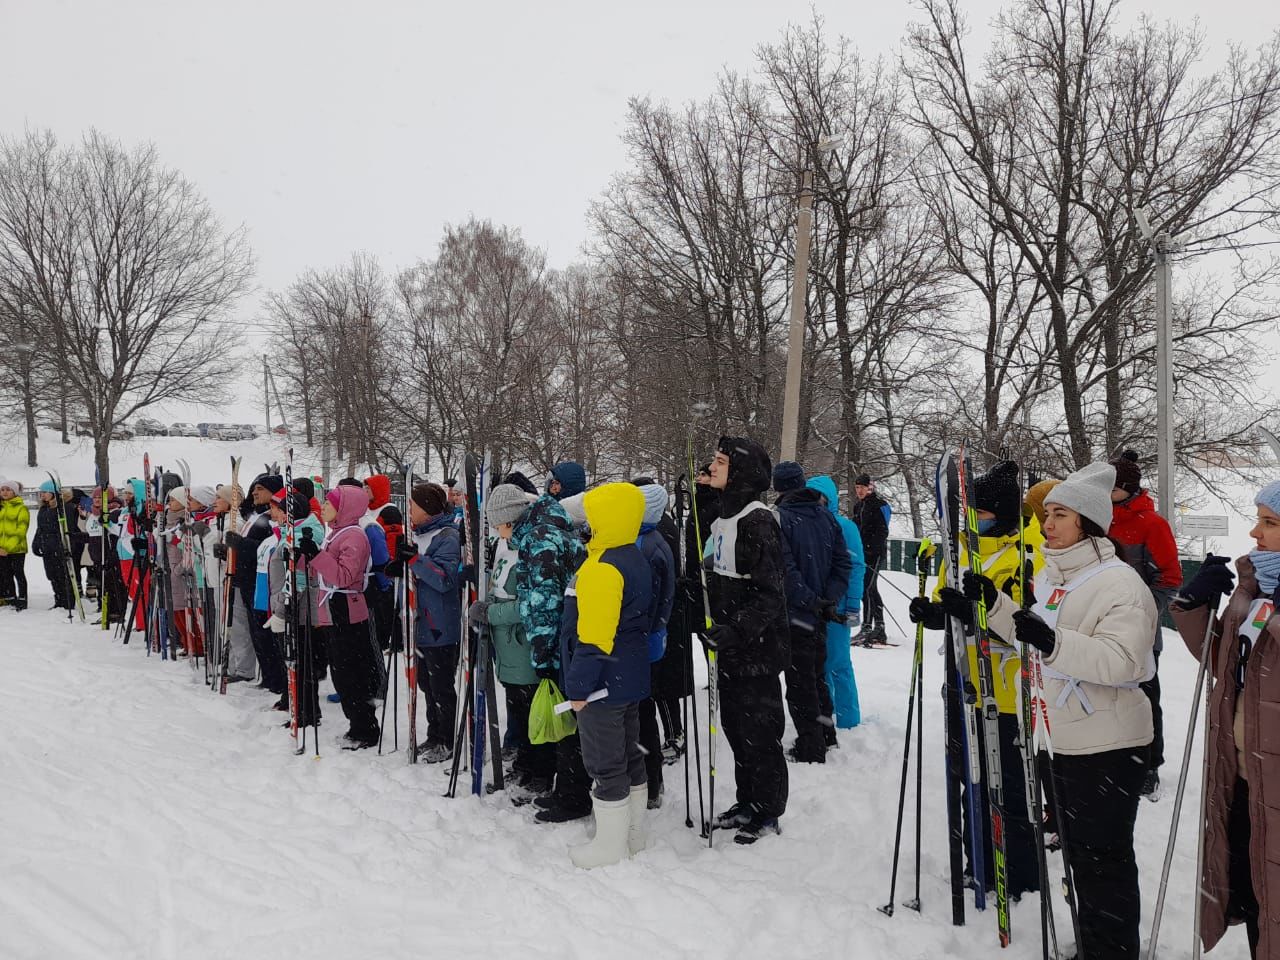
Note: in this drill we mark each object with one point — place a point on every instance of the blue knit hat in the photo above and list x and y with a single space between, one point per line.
48 487
787 476
1269 496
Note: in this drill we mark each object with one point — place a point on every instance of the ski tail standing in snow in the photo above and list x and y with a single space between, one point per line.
201 502
817 569
749 635
340 570
608 614
1149 547
1092 627
1239 832
228 519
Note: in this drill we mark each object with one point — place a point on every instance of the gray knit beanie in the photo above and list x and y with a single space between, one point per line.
1088 493
506 503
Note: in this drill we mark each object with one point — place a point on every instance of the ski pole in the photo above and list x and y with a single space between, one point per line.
922 555
1202 685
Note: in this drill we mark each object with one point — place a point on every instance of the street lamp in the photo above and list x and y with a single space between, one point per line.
799 297
1162 245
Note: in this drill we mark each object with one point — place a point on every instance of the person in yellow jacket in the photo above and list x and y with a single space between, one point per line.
15 517
996 495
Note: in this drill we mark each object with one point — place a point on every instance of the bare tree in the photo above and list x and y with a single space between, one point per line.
127 267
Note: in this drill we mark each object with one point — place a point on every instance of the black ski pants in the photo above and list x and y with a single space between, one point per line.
1099 795
534 759
13 578
55 571
310 669
872 605
1242 901
651 742
669 713
610 737
752 718
573 783
270 657
1021 861
437 667
1155 753
348 645
804 699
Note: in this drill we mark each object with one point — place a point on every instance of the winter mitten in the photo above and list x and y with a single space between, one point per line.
478 612
275 623
220 551
406 550
198 528
978 586
1212 581
139 544
1030 629
720 635
923 610
394 569
307 547
233 539
956 604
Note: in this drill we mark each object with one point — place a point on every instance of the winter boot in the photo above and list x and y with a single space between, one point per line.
755 828
735 816
609 845
1151 786
636 833
560 812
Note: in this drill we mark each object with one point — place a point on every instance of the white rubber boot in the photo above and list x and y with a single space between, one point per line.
637 835
609 845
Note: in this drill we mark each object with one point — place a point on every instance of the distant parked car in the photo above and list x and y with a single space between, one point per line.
280 429
146 427
83 428
122 431
224 431
184 430
248 431
203 428
259 430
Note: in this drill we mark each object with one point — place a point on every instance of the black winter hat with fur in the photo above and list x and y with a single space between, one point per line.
997 491
1128 473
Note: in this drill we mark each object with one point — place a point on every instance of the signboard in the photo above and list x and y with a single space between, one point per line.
1191 525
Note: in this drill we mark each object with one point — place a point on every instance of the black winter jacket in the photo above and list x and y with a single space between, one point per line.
48 539
753 603
868 514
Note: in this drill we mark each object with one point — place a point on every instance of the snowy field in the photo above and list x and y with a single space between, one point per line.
142 816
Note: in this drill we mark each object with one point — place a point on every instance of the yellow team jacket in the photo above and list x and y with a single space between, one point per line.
999 557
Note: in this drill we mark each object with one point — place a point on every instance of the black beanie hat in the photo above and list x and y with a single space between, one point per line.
516 478
862 480
997 491
305 487
1128 473
273 483
431 498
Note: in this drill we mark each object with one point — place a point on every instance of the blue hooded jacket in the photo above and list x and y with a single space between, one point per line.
852 539
572 477
439 599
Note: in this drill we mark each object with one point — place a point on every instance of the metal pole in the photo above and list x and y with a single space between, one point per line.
799 295
1164 378
266 392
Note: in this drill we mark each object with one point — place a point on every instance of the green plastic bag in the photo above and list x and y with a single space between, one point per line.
545 725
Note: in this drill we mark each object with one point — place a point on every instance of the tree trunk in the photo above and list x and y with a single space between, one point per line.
29 414
101 459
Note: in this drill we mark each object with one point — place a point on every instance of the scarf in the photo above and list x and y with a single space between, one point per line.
1267 565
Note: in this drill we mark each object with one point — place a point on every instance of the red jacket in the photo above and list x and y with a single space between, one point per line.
1150 547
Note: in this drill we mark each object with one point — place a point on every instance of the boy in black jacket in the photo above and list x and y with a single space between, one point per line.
749 613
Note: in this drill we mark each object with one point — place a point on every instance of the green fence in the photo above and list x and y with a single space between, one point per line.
902 559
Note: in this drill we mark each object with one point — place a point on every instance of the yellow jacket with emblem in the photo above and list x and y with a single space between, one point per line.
15 517
999 556
608 606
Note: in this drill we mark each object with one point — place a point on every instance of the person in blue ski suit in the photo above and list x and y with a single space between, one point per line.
841 683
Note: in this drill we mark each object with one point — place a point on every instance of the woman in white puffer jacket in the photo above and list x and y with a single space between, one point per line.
1093 625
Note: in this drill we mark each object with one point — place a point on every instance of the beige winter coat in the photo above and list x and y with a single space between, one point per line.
1104 637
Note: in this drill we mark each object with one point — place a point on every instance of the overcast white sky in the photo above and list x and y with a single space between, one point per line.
327 127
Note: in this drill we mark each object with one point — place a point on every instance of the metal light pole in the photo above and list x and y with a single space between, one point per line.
1162 245
799 297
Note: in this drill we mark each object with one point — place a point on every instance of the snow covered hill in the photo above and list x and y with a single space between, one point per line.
146 817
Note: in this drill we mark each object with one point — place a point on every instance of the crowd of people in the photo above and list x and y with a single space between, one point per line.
600 591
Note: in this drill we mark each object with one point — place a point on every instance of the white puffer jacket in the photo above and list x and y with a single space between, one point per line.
1104 638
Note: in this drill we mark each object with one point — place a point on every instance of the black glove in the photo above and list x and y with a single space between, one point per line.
1211 582
283 550
406 550
220 551
233 539
977 586
923 610
548 673
198 528
956 604
827 612
1030 629
307 547
719 635
394 569
478 612
139 544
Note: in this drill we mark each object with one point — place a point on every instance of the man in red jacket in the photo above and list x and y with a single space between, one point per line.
1148 547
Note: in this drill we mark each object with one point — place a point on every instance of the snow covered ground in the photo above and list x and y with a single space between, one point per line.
143 816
